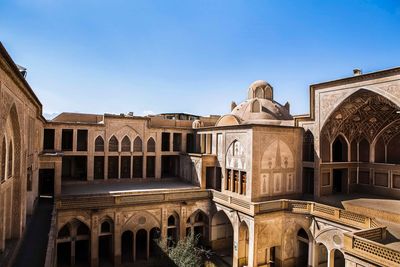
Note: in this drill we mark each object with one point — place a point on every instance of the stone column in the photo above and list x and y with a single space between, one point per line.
158 156
117 241
315 254
331 258
235 226
171 141
105 166
251 255
144 165
94 242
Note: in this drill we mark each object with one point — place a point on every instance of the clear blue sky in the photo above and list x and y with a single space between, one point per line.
192 56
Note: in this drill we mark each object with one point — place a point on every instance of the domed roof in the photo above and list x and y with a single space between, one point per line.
259 108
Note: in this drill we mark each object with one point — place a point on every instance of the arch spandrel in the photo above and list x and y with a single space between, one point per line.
140 220
363 112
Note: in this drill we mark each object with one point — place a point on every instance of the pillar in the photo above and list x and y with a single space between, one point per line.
94 243
117 243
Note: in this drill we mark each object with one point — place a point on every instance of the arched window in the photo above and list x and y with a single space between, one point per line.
126 144
113 144
3 159
105 227
171 220
255 106
259 93
363 150
10 160
308 146
137 145
64 232
151 145
99 144
339 149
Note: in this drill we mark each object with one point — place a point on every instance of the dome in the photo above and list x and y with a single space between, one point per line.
259 108
264 111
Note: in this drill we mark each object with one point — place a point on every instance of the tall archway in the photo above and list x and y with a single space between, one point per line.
338 258
363 150
141 245
339 149
222 236
106 248
302 248
197 224
322 254
155 234
243 247
73 244
393 150
127 247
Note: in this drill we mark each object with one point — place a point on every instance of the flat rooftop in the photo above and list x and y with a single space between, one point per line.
115 187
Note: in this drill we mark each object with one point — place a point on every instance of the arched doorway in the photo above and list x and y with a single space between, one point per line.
197 224
243 248
82 245
338 258
141 245
106 249
127 247
302 248
222 236
64 246
155 234
73 244
322 255
339 149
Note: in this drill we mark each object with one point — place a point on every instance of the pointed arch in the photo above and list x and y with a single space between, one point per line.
340 148
308 146
113 144
137 144
99 144
151 145
256 106
126 144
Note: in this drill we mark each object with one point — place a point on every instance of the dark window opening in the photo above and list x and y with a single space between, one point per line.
165 142
48 139
308 146
150 166
137 167
126 167
339 149
308 181
177 141
82 140
113 167
190 143
74 168
169 166
67 139
46 182
98 167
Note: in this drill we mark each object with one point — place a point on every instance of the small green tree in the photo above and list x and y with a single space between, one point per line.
185 253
